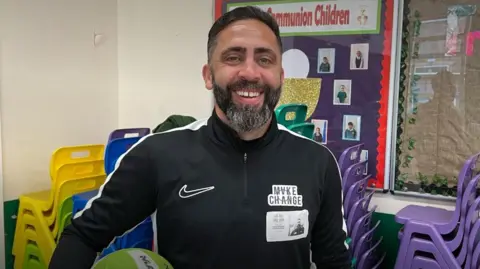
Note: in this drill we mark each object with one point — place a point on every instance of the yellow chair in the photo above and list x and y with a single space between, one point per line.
75 154
30 236
46 199
73 170
46 203
31 215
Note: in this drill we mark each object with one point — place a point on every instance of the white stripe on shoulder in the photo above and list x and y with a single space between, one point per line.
283 128
194 126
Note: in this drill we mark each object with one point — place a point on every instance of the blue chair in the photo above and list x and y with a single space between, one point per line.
140 237
80 200
115 149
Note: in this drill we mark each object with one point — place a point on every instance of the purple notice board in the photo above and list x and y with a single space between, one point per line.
346 44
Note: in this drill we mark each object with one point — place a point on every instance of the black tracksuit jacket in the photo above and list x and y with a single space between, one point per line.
220 202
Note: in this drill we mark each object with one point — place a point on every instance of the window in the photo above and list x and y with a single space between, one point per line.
438 119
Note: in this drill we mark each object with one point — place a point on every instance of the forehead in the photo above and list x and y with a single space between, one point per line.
249 34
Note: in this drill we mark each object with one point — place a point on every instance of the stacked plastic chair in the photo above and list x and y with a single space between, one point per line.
141 236
438 238
41 215
296 124
356 203
128 132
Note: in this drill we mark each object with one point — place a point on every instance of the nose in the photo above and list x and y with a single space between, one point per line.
249 71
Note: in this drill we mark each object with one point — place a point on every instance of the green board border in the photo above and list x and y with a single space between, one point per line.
10 211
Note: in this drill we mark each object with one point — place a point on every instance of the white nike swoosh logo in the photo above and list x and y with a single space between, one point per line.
184 193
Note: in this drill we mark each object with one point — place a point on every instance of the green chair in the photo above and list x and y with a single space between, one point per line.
65 213
305 129
33 257
283 113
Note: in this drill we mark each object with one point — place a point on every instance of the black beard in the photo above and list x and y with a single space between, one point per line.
246 118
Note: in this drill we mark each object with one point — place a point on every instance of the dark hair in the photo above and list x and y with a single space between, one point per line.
238 14
350 123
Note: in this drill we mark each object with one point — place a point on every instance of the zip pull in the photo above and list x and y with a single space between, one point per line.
245 158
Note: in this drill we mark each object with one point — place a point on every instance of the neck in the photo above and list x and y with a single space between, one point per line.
246 136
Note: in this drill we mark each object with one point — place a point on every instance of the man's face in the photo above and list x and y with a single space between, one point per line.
350 126
246 74
342 88
325 60
359 53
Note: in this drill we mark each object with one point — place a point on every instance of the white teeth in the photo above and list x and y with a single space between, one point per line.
248 94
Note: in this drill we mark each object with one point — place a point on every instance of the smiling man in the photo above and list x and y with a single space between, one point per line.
234 191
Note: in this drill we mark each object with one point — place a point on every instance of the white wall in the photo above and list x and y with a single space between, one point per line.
161 50
57 87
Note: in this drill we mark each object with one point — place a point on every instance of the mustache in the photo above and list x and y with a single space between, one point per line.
247 85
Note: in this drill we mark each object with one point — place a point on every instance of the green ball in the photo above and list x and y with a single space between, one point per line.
133 258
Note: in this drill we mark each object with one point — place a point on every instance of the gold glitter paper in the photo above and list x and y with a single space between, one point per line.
301 90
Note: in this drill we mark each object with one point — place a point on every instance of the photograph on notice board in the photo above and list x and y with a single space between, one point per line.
342 92
364 157
359 56
320 133
326 61
351 127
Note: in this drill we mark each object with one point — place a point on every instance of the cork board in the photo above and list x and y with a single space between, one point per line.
439 111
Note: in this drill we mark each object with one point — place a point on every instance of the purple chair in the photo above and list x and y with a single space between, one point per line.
380 261
128 132
361 227
472 232
359 209
367 260
355 192
473 248
353 174
408 245
365 242
416 246
468 210
475 258
349 156
445 221
421 262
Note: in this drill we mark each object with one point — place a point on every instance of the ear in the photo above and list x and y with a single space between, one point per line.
207 77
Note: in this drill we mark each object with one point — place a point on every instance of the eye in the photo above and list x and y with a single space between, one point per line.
264 61
232 59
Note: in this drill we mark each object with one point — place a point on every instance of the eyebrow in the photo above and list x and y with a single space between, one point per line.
264 50
243 50
234 49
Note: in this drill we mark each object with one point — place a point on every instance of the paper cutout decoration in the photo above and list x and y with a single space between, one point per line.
471 38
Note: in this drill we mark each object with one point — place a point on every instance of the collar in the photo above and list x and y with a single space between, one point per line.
225 136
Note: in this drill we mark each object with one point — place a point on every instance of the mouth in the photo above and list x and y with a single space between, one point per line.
249 96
